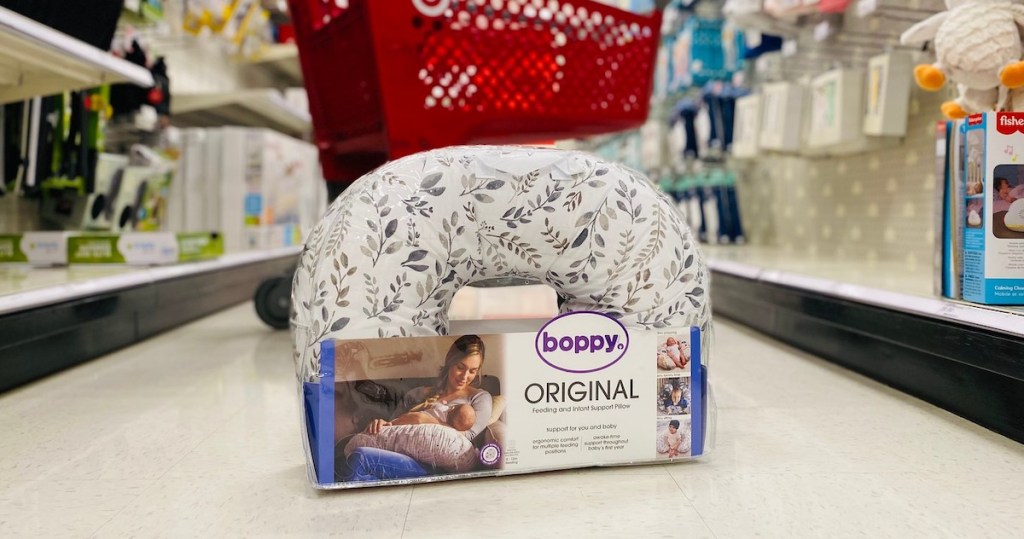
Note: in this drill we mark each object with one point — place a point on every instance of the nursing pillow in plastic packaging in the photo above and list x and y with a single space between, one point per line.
438 446
395 247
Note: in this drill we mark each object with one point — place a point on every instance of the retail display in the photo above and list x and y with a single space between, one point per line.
993 271
395 247
720 99
978 47
260 188
709 202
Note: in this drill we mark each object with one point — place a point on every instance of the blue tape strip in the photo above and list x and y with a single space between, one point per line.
698 395
325 416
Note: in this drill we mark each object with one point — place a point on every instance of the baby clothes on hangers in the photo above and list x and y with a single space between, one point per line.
687 110
712 99
730 95
768 43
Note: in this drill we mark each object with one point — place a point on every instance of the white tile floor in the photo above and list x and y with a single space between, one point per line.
195 434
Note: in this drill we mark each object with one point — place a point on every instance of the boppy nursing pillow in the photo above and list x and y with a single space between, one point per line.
438 446
395 247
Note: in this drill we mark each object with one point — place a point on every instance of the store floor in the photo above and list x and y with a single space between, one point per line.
195 433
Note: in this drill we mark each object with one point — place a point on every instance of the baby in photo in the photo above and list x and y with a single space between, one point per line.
674 441
460 417
677 352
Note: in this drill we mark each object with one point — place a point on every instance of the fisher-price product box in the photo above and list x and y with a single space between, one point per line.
994 213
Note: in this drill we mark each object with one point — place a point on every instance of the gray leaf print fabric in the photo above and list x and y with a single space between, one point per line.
389 255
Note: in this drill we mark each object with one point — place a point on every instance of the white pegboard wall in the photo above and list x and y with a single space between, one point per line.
854 38
877 205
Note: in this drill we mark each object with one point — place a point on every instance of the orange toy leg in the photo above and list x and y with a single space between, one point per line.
929 77
1012 75
953 111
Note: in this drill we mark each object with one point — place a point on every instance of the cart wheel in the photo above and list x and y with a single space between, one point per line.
273 302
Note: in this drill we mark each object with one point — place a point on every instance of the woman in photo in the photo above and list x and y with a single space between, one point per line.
455 400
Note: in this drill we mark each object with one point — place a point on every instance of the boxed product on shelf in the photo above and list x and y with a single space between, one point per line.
953 212
993 238
888 94
192 183
837 112
747 139
266 178
141 202
782 121
99 210
260 188
211 184
943 247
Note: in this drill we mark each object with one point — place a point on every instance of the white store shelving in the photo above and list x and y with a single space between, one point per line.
23 287
38 60
282 58
247 108
883 284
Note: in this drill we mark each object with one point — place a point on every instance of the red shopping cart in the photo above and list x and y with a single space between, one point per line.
388 78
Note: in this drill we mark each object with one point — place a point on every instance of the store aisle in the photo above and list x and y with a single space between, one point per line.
195 433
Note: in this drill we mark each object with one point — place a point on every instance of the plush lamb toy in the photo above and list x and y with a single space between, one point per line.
978 46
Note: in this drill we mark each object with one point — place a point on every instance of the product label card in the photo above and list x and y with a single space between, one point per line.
582 390
199 246
45 248
94 250
148 248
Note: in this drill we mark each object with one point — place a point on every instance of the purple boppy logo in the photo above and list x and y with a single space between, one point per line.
582 342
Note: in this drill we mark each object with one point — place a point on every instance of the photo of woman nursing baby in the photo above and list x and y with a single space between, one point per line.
413 426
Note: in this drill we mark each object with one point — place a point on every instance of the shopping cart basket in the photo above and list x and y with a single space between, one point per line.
388 78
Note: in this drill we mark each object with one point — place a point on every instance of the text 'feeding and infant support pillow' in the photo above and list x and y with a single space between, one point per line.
395 247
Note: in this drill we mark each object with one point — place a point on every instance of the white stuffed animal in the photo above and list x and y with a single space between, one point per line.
978 46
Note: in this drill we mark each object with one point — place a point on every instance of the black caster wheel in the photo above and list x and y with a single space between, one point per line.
273 302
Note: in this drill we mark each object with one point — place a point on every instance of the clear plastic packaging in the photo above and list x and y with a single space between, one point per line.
392 251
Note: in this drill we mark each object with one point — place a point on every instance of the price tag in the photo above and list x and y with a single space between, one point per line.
866 7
